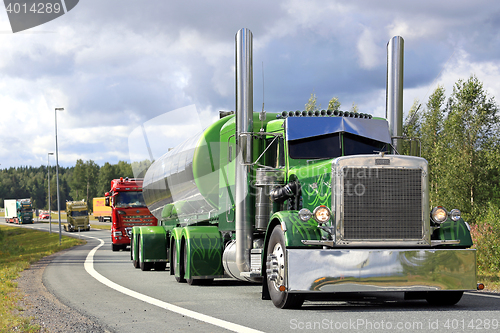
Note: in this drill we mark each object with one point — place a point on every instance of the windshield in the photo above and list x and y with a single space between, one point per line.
331 146
129 199
77 213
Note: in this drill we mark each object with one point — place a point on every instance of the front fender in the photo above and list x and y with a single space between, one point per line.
453 230
294 228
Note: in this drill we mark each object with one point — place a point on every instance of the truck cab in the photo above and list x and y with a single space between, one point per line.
77 215
128 210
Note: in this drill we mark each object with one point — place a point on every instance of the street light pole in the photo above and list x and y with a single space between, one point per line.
57 179
48 176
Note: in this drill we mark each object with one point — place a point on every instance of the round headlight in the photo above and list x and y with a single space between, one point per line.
305 214
321 214
439 214
455 215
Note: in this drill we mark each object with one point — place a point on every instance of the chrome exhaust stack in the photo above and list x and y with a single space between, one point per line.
394 89
244 128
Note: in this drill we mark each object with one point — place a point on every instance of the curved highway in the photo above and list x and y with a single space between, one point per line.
103 284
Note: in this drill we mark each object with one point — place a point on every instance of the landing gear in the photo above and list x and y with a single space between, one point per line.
276 283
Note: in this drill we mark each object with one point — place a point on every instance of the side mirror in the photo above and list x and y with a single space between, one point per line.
106 201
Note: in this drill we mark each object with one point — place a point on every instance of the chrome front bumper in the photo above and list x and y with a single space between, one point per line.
346 270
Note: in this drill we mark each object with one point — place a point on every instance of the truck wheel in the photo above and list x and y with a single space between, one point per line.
444 298
173 263
145 266
115 247
276 262
135 262
189 281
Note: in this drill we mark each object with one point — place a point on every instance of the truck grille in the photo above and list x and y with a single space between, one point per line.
382 204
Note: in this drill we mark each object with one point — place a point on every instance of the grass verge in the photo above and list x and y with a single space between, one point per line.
491 281
20 247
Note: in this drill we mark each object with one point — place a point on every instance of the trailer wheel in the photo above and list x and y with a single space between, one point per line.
135 262
276 262
173 264
444 298
145 266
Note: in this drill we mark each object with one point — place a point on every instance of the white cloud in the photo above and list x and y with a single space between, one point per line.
113 66
370 54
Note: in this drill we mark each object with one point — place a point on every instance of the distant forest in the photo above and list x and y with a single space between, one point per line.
85 180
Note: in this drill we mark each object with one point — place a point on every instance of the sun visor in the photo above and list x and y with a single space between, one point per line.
306 127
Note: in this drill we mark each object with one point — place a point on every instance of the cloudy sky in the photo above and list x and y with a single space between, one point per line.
115 65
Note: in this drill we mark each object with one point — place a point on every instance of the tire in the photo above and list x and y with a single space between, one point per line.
135 262
276 259
173 262
145 266
115 247
444 298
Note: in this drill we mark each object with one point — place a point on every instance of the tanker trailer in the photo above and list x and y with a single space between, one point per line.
309 204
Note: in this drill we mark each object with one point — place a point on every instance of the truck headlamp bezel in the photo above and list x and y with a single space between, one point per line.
305 214
455 214
439 214
322 214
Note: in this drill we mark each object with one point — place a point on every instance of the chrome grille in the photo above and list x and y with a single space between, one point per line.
382 204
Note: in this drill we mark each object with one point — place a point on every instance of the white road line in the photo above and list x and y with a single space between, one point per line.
484 295
89 267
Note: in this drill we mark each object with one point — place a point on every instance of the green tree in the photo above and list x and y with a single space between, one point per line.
334 104
431 144
411 132
470 134
79 180
354 108
311 104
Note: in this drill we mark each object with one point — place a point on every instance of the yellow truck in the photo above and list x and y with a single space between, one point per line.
101 211
77 216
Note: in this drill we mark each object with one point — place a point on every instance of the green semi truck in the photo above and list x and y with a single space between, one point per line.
309 204
77 215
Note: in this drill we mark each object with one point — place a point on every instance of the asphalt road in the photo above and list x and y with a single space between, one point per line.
103 284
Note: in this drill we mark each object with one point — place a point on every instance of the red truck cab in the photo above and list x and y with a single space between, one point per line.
128 210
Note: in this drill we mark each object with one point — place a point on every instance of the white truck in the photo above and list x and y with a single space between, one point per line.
10 210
